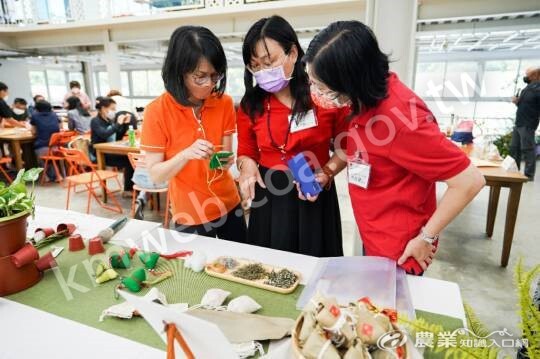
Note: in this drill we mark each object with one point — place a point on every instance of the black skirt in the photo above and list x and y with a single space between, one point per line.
280 220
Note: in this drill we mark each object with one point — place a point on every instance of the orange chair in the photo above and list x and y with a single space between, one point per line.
138 160
87 174
3 161
54 156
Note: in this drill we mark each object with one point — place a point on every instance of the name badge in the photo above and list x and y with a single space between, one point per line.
308 121
359 172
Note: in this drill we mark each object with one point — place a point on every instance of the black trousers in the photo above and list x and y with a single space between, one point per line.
523 145
231 227
122 162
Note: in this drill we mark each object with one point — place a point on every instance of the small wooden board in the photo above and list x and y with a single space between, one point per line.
227 275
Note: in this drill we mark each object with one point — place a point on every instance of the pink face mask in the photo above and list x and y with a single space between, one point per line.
325 102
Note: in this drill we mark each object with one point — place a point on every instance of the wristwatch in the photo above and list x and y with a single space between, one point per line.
425 237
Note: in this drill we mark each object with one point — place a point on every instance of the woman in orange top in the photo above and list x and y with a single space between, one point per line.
185 126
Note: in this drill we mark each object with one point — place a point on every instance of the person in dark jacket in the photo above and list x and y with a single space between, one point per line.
44 124
107 127
523 143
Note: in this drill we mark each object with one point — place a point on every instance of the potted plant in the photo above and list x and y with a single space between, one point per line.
16 204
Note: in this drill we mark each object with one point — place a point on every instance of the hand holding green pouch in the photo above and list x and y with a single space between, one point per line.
219 159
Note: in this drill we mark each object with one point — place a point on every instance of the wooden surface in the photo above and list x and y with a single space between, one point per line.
496 178
112 148
227 275
16 138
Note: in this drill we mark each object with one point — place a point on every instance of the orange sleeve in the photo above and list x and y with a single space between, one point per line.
153 137
229 126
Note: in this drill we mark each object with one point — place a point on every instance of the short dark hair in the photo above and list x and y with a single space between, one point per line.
3 86
74 83
35 98
187 46
74 103
346 57
20 101
104 102
279 30
43 106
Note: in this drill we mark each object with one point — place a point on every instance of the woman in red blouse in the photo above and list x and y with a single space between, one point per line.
276 121
395 149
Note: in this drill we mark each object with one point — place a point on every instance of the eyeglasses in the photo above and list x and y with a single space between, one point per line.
271 66
203 80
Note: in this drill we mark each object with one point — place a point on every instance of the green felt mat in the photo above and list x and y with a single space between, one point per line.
87 300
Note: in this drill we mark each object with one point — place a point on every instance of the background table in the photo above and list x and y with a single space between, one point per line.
18 138
112 148
497 177
52 336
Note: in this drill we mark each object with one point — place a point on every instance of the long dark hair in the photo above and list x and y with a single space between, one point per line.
279 30
346 57
74 103
187 46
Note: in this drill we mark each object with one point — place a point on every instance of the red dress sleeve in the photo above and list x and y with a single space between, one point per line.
247 139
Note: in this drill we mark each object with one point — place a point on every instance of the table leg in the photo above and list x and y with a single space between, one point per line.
100 157
16 148
494 192
511 216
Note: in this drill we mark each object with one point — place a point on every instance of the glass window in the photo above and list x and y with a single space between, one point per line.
103 78
460 79
96 91
428 75
235 82
499 78
38 84
155 83
57 86
140 83
124 80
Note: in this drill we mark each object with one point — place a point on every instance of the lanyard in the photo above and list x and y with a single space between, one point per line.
272 141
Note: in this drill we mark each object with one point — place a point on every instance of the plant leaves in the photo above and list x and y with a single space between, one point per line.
32 174
18 179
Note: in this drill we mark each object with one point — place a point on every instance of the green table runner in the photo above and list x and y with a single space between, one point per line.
86 304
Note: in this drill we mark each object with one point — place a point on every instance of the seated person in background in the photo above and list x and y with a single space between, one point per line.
122 103
75 90
141 177
20 110
6 113
105 129
78 118
44 123
36 98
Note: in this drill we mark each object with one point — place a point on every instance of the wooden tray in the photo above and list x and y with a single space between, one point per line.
227 275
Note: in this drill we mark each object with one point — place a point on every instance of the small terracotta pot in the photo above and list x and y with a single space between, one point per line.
42 233
25 255
69 227
95 246
76 243
46 261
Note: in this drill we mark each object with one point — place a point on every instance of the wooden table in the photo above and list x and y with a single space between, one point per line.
112 148
497 177
16 138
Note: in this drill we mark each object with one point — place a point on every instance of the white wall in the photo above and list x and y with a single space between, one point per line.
14 73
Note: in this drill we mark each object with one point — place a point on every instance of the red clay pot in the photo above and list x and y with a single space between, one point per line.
12 233
76 243
13 279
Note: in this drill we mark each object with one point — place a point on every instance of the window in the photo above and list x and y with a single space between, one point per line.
147 83
429 74
140 83
155 83
57 86
101 83
235 82
38 83
460 79
499 78
124 80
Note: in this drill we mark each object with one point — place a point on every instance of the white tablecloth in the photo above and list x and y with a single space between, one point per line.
26 332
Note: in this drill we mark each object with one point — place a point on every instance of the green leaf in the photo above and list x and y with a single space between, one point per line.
32 174
19 177
18 188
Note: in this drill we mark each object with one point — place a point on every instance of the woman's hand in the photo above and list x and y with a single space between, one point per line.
420 250
123 119
226 165
249 175
199 150
320 177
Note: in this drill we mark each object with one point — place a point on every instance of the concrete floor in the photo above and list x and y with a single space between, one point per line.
465 256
